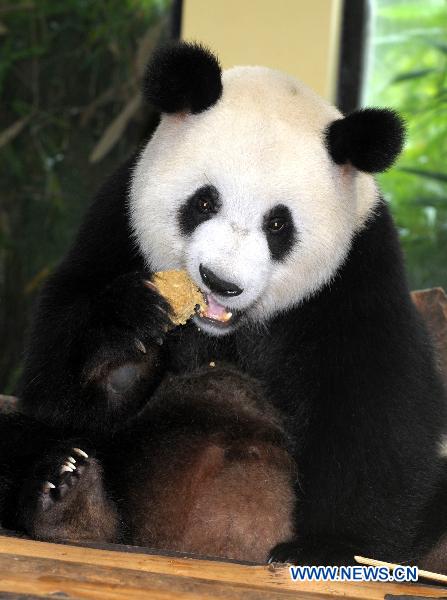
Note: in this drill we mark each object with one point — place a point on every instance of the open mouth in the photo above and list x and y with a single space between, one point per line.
215 313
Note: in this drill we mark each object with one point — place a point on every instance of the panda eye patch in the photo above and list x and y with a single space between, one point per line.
280 231
199 207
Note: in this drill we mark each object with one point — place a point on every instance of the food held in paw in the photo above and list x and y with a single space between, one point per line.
181 293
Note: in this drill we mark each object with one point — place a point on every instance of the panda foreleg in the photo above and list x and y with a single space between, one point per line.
123 358
95 373
65 499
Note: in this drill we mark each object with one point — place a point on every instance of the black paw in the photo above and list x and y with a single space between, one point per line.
317 551
62 477
64 499
123 344
286 552
133 305
54 483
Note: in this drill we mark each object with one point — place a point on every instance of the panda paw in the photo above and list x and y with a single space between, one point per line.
132 304
123 349
66 474
65 499
286 552
319 551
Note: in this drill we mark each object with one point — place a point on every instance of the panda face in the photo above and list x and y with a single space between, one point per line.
219 236
246 198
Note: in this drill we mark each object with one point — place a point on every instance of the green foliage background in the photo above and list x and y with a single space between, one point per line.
408 71
70 73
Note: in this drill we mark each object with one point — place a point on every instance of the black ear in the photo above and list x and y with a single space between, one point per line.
370 139
183 77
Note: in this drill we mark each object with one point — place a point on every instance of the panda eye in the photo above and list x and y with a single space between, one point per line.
276 224
205 205
280 231
201 206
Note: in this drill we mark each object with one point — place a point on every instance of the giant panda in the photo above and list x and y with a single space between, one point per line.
213 477
264 193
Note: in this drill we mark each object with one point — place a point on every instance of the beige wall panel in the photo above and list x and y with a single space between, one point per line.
297 36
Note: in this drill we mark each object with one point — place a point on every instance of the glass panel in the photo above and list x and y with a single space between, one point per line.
408 71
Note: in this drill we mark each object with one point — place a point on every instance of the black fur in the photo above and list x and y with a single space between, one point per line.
22 441
193 211
280 231
351 369
183 77
93 315
369 139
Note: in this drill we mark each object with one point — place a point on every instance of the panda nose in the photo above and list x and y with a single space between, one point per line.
218 285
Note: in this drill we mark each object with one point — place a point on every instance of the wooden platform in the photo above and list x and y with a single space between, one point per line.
30 569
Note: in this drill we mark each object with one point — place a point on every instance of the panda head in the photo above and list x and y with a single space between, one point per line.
252 183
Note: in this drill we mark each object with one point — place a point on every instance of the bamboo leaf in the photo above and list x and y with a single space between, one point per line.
11 132
416 74
441 46
115 130
36 281
422 173
146 44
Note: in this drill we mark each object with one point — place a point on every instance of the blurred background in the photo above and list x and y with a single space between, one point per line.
70 111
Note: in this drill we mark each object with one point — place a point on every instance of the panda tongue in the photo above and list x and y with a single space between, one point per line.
216 311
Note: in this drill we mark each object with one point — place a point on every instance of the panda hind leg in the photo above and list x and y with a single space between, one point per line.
65 499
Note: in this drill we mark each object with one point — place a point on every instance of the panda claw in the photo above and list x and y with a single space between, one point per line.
140 346
47 487
150 285
67 476
80 452
165 313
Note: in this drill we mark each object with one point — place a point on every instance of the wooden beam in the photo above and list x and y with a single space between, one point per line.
39 567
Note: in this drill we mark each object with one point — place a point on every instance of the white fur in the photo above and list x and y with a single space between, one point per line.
260 145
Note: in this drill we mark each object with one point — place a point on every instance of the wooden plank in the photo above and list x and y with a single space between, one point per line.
270 579
23 574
